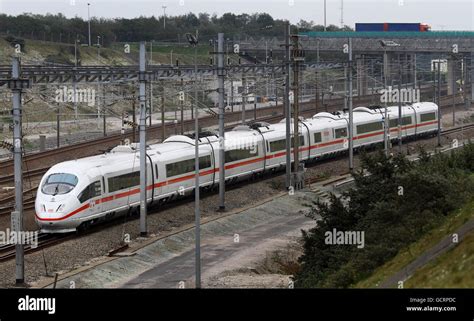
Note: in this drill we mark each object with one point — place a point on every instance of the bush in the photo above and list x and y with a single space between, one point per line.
394 206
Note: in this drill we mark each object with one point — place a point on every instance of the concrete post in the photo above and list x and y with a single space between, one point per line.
42 143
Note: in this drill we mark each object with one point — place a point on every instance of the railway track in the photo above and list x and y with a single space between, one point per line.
7 251
28 205
26 175
457 129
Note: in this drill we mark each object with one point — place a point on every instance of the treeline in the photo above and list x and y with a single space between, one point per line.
58 28
394 206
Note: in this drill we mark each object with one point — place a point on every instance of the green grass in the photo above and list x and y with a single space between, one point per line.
453 269
406 256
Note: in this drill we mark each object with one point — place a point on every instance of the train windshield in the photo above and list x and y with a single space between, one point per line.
57 184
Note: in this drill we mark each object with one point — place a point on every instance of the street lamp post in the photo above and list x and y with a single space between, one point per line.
193 40
164 16
324 15
89 22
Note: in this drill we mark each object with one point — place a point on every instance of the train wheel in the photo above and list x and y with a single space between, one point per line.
84 226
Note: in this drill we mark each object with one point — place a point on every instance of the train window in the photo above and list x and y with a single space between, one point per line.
405 121
370 127
156 171
301 141
187 166
124 181
59 183
277 145
317 138
427 117
238 154
204 162
89 192
340 132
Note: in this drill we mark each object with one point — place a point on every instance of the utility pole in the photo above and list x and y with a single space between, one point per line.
232 95
346 92
150 103
193 40
151 83
196 143
221 76
244 97
386 131
453 86
316 91
134 120
74 85
16 84
351 113
143 169
58 127
439 100
297 56
163 128
181 102
287 106
399 105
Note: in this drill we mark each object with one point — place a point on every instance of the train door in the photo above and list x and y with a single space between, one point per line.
157 177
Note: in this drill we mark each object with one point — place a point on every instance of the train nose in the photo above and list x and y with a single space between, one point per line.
51 218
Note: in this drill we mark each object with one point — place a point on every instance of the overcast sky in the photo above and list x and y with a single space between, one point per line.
441 15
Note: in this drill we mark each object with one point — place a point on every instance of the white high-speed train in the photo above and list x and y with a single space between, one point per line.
76 193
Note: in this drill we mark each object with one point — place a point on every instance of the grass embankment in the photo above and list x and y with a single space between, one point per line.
452 269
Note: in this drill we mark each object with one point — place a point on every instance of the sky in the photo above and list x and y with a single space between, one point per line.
441 15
